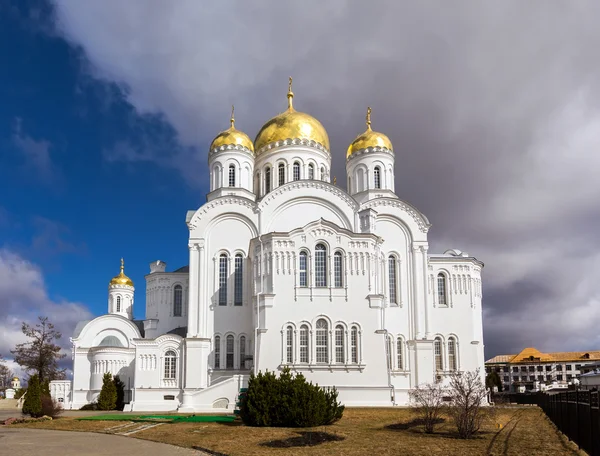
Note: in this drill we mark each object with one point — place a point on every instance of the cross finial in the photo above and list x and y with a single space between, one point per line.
232 119
334 180
122 265
368 118
290 95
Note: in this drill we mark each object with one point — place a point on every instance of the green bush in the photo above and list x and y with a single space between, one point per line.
120 388
288 401
107 400
32 405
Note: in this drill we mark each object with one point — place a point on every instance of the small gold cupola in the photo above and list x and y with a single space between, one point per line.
121 279
232 136
369 138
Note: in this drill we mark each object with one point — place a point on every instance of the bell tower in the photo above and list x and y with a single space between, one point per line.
120 294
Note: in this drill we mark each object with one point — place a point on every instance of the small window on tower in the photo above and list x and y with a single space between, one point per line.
118 303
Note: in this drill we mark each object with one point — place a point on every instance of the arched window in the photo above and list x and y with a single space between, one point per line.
392 279
242 352
216 177
390 350
337 269
238 289
289 345
118 303
223 260
232 175
340 355
257 183
304 344
442 289
437 352
217 352
354 345
281 173
177 300
296 171
311 171
322 173
452 354
400 353
320 265
229 352
377 176
170 365
302 267
321 343
267 180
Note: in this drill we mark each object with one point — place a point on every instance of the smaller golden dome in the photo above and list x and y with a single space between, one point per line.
231 136
121 279
15 379
368 139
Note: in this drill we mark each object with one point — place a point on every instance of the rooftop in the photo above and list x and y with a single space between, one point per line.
530 354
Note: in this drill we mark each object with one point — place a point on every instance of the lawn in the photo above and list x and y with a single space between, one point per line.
509 431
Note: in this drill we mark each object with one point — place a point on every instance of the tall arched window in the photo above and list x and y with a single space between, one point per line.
377 177
232 175
229 350
320 265
302 268
392 279
267 180
400 353
257 183
238 289
442 289
281 173
242 352
437 352
177 300
170 365
390 351
304 344
223 260
289 345
354 345
118 303
311 171
217 352
452 365
321 342
217 177
340 355
322 173
337 269
296 171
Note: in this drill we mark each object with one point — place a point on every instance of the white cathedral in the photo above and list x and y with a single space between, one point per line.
288 269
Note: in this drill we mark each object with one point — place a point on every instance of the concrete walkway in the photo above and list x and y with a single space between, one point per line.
21 442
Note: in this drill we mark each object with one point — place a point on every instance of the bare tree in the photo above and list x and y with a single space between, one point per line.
6 374
428 401
40 355
468 395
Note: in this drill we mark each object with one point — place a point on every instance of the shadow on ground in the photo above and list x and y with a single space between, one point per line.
304 439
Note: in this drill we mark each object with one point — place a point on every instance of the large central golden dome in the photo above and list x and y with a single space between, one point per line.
291 124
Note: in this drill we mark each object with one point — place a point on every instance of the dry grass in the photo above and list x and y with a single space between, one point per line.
360 432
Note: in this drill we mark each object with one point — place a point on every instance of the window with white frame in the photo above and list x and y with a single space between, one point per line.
296 171
340 355
354 345
320 265
321 341
232 175
242 352
452 365
217 352
322 173
442 289
170 365
281 173
238 279
400 352
177 300
377 176
223 260
302 268
118 303
337 269
389 348
311 171
392 274
229 351
289 345
267 180
437 352
304 344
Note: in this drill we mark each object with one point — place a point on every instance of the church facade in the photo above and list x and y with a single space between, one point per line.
288 269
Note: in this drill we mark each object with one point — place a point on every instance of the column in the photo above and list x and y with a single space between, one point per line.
193 291
423 250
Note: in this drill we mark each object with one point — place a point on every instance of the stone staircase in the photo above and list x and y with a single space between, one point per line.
9 404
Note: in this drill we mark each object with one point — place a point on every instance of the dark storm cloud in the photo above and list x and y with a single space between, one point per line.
492 107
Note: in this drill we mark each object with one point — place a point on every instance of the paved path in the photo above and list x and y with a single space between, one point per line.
21 442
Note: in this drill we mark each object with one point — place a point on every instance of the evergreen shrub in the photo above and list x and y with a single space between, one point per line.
32 405
107 400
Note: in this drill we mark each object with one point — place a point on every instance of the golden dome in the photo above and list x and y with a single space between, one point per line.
369 138
121 279
15 379
231 136
291 124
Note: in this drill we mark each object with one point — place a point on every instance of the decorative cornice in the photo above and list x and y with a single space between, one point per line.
293 142
421 221
228 200
369 150
229 147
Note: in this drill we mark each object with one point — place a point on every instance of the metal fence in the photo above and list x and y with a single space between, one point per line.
577 415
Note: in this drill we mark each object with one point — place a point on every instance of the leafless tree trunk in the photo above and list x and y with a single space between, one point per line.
428 402
468 395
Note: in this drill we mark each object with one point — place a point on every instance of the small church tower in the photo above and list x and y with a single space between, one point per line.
120 294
